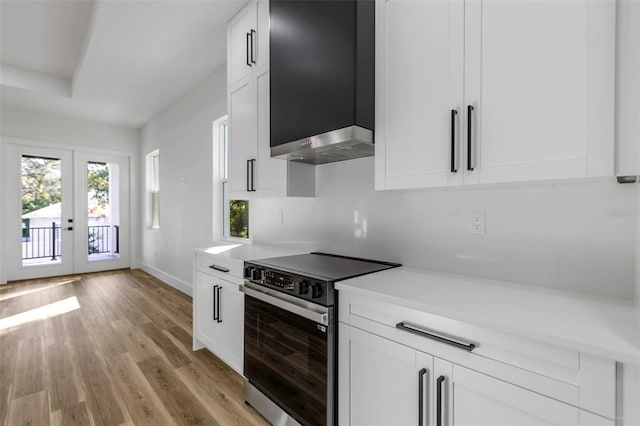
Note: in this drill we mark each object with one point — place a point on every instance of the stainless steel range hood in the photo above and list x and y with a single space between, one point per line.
322 79
337 145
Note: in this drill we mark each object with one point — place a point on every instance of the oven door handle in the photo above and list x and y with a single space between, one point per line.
317 314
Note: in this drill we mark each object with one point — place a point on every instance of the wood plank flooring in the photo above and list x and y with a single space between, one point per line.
109 348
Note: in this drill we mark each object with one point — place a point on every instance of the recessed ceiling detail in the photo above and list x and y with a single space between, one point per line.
119 62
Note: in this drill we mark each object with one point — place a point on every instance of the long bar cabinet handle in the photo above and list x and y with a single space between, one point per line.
421 416
248 166
219 268
469 138
454 113
439 401
218 303
248 47
215 287
431 335
253 33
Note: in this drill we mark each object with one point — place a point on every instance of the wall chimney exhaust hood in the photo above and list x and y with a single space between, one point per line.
322 79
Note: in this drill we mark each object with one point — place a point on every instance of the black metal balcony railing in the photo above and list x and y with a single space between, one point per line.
44 242
38 243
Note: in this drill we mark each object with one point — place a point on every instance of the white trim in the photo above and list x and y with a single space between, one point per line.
177 283
57 145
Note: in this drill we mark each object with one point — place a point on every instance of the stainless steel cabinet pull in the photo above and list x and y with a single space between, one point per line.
431 335
219 268
439 401
248 167
421 398
469 139
454 113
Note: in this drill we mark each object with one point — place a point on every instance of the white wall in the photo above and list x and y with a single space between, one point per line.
69 131
577 236
72 134
188 165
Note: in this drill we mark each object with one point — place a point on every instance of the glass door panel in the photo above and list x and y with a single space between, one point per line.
102 195
39 219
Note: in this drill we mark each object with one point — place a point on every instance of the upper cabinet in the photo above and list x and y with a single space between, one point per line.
248 41
493 91
252 171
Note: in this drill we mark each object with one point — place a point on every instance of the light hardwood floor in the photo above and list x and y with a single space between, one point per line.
111 348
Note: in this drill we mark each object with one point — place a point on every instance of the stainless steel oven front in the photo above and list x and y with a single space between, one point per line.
289 357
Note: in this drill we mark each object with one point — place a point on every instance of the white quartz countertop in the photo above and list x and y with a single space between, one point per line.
600 327
242 252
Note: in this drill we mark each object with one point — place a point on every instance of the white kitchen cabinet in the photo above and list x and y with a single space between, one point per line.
385 380
531 83
252 171
219 322
399 363
472 398
242 43
419 82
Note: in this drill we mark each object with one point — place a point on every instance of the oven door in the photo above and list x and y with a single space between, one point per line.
289 353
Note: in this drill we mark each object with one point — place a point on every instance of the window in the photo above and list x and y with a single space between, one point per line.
235 213
153 186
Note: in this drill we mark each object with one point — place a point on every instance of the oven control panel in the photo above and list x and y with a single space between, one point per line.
320 292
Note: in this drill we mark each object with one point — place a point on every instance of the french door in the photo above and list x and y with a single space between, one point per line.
66 211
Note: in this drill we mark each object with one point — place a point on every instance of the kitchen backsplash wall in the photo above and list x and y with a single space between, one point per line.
575 236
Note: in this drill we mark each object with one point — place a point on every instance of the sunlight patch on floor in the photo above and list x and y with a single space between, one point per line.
47 311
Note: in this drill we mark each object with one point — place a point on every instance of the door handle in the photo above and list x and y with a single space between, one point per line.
253 33
218 303
215 288
439 401
70 228
248 47
454 113
469 139
253 173
421 398
248 187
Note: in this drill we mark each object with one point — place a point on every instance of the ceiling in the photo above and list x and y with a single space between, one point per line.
118 62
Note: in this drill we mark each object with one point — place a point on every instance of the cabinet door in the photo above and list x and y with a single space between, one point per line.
242 137
262 43
540 76
232 317
419 82
209 331
384 381
239 44
472 398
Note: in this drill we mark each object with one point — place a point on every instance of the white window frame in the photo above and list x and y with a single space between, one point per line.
221 139
153 189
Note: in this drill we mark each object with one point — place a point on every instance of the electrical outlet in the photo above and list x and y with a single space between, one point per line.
476 222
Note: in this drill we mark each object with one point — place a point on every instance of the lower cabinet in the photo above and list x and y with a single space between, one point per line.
219 318
387 383
385 380
472 398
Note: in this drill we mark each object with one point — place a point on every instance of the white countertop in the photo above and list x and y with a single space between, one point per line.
242 252
601 327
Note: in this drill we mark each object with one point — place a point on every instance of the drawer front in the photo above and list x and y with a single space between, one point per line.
221 267
541 358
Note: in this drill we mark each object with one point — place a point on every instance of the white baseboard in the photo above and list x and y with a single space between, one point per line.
174 282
